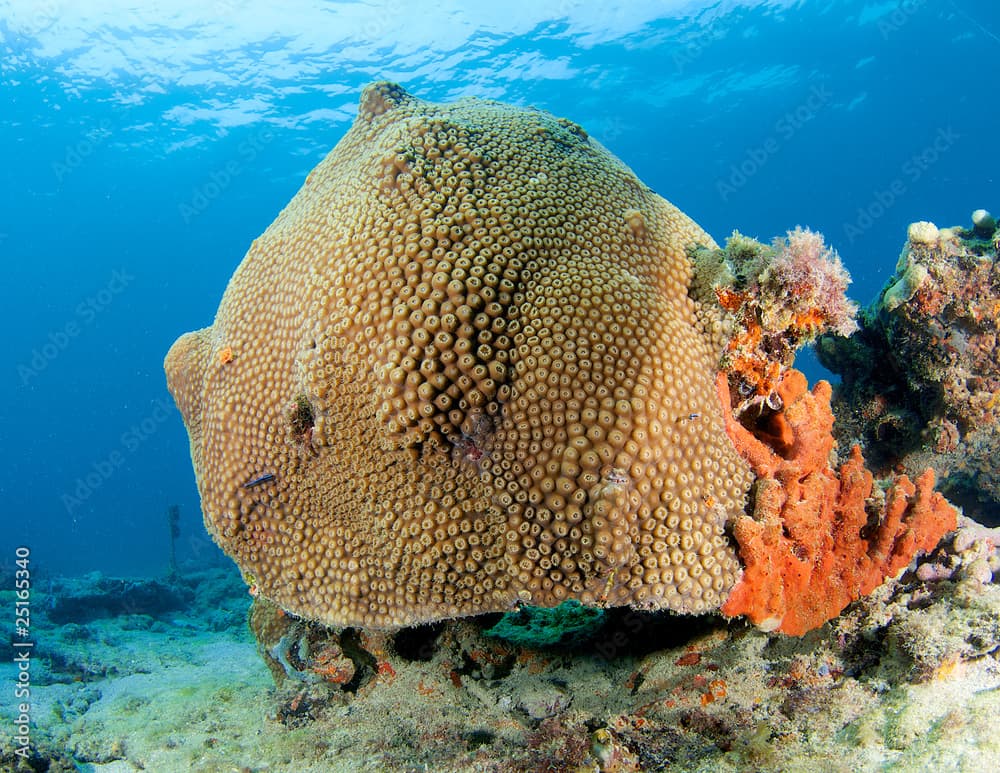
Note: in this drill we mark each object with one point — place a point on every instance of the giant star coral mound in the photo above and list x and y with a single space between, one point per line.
461 371
470 366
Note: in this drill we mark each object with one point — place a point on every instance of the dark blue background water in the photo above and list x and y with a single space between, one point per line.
143 150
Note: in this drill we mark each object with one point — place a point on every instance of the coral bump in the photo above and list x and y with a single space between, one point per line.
819 538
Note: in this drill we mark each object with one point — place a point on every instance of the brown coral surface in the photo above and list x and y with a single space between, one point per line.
464 371
820 538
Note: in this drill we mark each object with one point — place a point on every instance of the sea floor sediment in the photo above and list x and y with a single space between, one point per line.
906 679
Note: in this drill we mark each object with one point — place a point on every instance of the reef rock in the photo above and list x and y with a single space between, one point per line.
774 299
921 379
462 371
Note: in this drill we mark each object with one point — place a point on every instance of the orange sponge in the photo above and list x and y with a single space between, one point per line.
819 538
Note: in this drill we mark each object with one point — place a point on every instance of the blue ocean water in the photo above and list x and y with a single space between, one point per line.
145 145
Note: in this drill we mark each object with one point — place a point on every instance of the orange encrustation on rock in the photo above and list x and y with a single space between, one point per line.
819 538
471 376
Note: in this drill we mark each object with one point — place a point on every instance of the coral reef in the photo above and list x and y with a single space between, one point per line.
907 678
775 299
816 538
466 374
820 538
938 617
971 552
921 378
293 648
472 370
99 596
78 609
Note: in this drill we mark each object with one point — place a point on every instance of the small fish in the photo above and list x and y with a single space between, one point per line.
267 477
616 477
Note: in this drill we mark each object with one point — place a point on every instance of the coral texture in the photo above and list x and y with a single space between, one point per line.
460 371
818 538
921 379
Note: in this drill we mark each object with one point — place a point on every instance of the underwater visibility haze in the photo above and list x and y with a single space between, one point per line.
589 425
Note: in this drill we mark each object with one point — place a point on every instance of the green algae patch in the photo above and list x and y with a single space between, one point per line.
568 625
